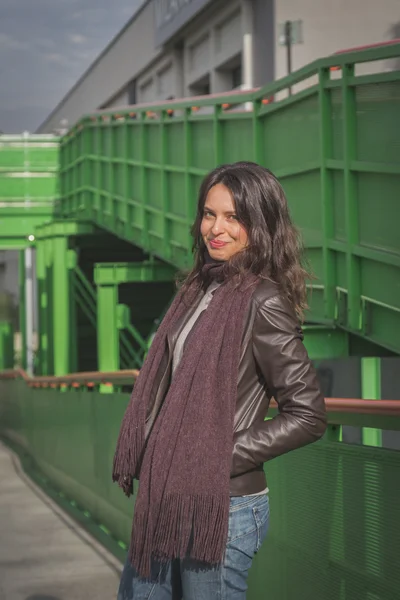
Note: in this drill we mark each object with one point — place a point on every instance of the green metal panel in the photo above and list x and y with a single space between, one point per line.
323 342
333 145
335 515
28 185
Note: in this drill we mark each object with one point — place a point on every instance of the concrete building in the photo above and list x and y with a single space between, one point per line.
176 48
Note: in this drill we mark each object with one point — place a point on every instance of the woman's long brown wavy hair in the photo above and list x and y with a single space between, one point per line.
274 247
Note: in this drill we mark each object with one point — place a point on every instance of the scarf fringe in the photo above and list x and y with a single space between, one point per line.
193 527
126 464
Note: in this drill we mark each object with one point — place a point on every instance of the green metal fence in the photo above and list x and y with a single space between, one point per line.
28 185
335 514
333 143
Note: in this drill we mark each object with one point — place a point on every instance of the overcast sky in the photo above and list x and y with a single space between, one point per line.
45 46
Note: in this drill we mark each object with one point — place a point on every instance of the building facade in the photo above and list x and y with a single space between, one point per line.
175 48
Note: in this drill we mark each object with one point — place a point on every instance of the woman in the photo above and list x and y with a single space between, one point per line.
194 432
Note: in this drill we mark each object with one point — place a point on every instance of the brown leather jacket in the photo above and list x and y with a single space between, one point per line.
274 363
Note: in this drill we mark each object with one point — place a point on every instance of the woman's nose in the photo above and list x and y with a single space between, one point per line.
217 227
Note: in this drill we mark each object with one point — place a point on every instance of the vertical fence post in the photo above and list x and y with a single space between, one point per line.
107 328
110 165
371 390
164 185
22 306
257 131
29 309
325 125
61 300
97 167
49 312
126 170
85 166
190 211
42 308
373 476
217 135
73 325
143 180
351 198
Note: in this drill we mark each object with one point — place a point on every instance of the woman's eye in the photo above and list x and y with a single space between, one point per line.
233 217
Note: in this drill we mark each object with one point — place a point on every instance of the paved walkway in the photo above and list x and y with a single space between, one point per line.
44 555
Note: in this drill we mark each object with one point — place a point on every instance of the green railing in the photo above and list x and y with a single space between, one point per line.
333 143
28 185
335 512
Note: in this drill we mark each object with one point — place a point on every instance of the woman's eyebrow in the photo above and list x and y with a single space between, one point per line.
227 212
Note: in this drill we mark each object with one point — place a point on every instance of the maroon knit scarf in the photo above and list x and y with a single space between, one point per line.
182 506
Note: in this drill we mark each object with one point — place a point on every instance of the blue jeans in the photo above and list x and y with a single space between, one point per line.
185 579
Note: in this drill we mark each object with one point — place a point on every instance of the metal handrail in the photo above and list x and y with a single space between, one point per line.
368 46
89 378
126 377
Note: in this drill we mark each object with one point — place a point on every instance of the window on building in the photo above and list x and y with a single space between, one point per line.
201 87
237 76
132 92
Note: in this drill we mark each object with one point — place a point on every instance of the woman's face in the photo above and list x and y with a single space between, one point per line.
221 231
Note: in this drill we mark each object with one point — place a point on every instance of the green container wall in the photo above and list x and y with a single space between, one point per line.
333 145
335 515
28 185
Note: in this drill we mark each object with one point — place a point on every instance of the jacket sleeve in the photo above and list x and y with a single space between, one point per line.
291 379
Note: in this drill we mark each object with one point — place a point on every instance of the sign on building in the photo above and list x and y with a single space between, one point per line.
171 15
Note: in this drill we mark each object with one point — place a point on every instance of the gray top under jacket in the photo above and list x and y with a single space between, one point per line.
180 342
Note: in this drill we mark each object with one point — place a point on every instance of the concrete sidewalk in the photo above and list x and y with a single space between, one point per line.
44 555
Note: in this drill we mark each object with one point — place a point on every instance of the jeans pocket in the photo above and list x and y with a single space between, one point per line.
261 517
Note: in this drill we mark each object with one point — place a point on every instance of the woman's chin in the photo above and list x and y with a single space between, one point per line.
217 254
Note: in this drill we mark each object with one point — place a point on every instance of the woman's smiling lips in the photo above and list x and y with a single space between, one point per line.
217 244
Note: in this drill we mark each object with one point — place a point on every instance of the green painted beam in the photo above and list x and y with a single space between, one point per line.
19 224
64 228
14 243
138 272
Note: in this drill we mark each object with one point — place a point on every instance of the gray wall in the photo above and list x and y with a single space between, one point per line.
332 26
